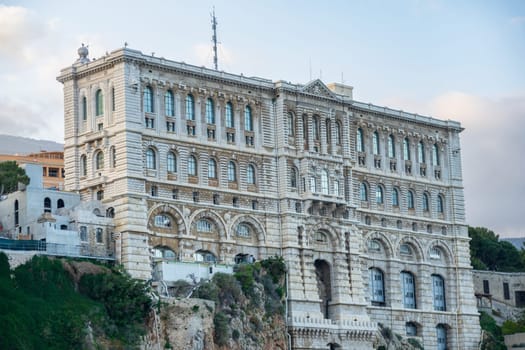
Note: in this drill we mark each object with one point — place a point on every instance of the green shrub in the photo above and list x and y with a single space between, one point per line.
220 323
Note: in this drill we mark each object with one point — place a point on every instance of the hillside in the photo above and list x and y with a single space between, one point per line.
23 145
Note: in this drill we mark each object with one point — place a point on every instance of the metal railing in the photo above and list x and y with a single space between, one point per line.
58 249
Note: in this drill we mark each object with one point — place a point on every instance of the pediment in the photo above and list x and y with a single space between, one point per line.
318 88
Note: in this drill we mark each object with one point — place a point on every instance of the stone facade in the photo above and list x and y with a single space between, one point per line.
204 165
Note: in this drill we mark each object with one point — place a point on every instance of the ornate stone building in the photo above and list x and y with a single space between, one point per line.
364 203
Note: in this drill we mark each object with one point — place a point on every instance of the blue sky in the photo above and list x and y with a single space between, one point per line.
461 60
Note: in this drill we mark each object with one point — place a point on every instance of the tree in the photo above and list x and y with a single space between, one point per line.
10 175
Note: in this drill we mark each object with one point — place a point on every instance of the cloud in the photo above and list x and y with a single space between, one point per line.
493 149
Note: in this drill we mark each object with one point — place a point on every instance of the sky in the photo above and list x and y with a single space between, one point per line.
459 60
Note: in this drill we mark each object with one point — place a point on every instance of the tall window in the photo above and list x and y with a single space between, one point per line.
360 141
172 162
84 108
440 204
421 152
151 159
391 147
375 142
410 200
315 128
230 123
83 233
425 202
113 156
250 174
169 105
438 293
409 290
83 165
192 166
148 99
17 222
313 184
293 177
47 205
99 160
376 286
190 107
113 99
99 102
232 172
328 125
379 194
406 149
441 335
291 124
212 169
363 192
337 189
338 132
435 155
248 119
324 182
210 111
395 197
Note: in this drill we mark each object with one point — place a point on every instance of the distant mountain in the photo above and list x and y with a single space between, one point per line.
516 241
23 145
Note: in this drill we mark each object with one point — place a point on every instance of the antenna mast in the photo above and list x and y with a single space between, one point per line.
214 38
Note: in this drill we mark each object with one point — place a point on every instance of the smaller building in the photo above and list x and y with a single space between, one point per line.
52 166
501 292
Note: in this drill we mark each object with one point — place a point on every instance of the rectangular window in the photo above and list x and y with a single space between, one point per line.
230 137
83 233
506 291
53 172
170 126
190 130
99 235
100 126
150 123
175 193
211 134
195 196
486 288
249 141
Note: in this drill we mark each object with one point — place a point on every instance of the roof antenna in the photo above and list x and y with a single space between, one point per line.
214 38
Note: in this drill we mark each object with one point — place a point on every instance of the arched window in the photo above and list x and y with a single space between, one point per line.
250 174
338 129
84 108
169 106
409 290
248 119
204 225
172 162
230 122
47 205
232 171
375 143
391 146
83 165
360 145
406 149
395 197
376 286
315 128
148 99
110 212
374 245
441 335
151 159
438 292
425 202
291 124
440 204
421 152
363 192
210 111
192 166
205 256
324 182
435 155
379 194
99 102
411 329
99 160
190 107
212 168
162 221
100 195
410 199
243 230
293 177
113 156
60 203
